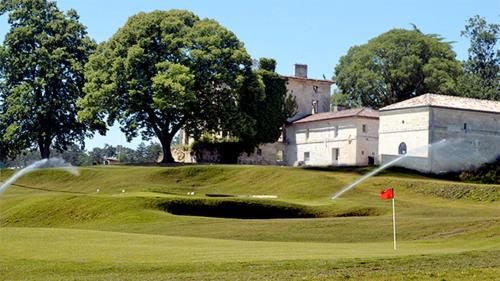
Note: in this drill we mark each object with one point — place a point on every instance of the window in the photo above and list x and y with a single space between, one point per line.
335 154
314 107
362 152
307 156
336 131
307 134
465 127
364 128
279 155
402 148
259 152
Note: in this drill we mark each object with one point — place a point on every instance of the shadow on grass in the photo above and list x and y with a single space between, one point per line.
46 189
391 171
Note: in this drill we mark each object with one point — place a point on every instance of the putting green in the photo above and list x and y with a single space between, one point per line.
70 245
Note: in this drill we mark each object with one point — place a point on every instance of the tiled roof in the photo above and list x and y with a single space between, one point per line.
446 101
355 112
315 80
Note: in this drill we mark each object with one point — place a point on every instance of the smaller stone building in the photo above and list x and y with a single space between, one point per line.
110 161
439 133
348 137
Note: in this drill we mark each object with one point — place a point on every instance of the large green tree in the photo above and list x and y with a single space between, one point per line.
481 77
163 71
41 65
397 65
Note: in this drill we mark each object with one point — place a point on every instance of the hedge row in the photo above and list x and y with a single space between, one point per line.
487 173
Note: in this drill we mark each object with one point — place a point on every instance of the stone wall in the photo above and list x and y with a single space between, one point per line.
409 126
266 154
421 164
307 90
472 139
367 142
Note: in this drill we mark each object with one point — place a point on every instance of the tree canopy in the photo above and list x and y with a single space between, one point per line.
397 65
41 75
163 71
481 77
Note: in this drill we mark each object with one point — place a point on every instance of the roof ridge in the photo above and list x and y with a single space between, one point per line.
463 98
429 99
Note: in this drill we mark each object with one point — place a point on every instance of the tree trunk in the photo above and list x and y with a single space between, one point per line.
167 153
44 149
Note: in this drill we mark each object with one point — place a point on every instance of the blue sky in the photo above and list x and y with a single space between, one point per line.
313 32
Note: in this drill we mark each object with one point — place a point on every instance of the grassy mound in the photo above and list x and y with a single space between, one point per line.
65 210
482 193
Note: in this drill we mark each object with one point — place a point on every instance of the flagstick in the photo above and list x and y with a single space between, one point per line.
394 222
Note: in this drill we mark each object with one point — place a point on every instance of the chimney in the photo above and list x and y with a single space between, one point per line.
301 70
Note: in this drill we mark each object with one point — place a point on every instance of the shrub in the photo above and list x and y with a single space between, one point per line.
226 151
487 173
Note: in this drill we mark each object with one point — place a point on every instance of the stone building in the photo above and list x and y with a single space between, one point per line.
464 133
110 161
312 96
348 137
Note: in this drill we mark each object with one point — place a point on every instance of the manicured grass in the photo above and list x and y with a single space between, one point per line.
99 253
57 227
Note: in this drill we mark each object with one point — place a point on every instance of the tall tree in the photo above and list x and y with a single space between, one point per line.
481 77
265 100
397 65
7 150
166 70
42 61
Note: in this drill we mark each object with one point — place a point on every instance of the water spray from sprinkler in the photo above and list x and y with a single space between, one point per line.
44 163
383 167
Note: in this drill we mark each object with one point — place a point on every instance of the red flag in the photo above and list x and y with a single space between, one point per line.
387 194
